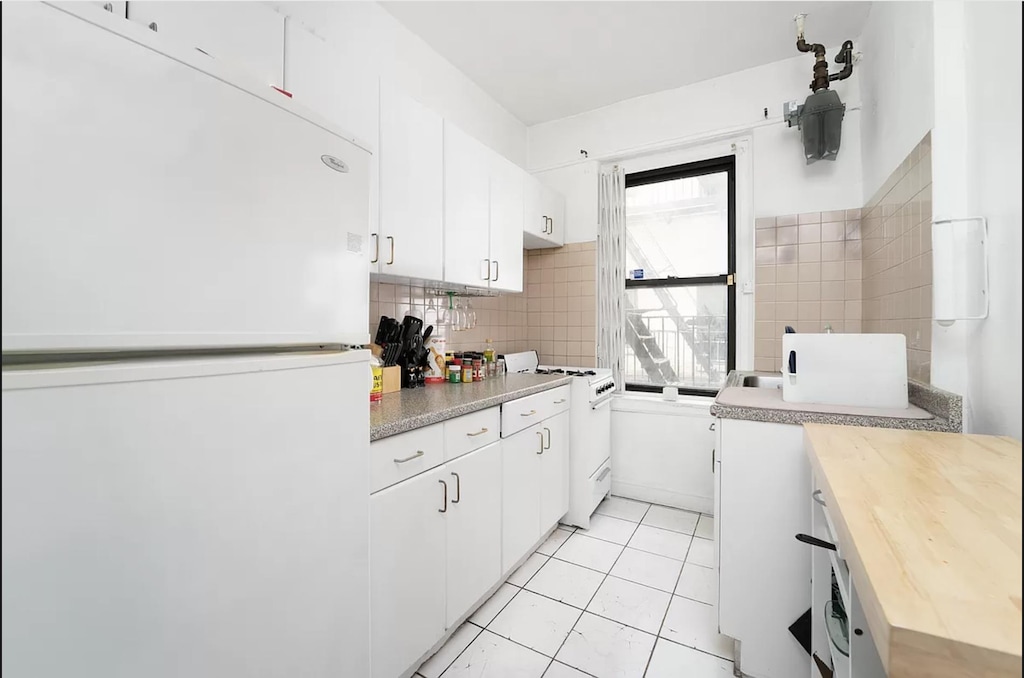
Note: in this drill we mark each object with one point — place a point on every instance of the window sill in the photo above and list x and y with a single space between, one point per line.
636 401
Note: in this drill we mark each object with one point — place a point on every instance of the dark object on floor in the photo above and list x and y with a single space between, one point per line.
801 630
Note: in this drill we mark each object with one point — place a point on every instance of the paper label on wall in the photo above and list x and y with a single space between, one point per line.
637 274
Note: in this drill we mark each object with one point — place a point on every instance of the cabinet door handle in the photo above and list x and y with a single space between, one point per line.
376 248
604 473
487 275
444 501
153 27
712 460
495 278
392 259
712 427
559 401
548 445
814 541
551 226
458 489
541 450
545 218
816 496
478 433
528 414
419 453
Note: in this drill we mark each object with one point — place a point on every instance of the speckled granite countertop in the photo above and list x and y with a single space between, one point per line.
410 409
932 409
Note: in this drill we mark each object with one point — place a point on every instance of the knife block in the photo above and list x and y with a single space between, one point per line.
392 379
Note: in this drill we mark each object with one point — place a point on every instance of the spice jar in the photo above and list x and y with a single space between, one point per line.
454 374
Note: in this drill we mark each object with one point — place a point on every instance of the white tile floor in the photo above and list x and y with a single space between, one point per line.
633 596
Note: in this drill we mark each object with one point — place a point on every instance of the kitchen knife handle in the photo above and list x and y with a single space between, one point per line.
814 541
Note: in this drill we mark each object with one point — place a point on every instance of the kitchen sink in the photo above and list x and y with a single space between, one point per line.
762 381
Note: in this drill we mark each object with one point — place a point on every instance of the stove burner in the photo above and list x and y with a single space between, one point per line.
569 373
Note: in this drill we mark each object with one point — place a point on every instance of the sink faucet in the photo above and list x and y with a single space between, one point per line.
828 328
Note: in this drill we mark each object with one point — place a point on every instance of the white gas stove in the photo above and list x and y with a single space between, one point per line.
600 386
589 431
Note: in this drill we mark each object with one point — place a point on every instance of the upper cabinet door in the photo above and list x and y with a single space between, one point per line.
411 164
506 208
554 210
535 221
467 210
544 216
331 82
248 35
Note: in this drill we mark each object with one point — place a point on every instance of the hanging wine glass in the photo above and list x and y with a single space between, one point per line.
470 315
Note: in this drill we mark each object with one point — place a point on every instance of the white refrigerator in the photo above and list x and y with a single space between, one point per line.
185 439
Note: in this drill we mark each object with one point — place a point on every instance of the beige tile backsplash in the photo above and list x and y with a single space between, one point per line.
858 270
897 256
807 275
556 314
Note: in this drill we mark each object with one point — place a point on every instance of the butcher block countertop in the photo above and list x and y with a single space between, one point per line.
930 524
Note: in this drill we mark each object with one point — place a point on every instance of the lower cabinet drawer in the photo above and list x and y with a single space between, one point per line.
394 459
522 413
471 432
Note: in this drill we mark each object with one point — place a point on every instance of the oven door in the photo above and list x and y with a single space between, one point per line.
595 433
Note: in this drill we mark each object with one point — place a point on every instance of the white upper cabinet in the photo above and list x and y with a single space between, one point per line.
483 215
506 212
248 35
466 209
544 221
409 241
330 82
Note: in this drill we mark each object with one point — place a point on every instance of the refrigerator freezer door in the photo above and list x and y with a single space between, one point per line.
153 199
189 518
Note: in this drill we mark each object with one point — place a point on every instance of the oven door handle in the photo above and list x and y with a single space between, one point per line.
601 403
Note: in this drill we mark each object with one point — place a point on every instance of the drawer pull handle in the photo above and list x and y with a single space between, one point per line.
528 414
604 474
419 453
541 450
814 541
560 401
478 433
444 501
816 496
458 489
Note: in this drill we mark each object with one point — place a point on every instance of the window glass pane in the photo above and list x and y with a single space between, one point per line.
679 227
677 336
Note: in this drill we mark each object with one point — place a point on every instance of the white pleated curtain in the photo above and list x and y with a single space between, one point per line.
611 272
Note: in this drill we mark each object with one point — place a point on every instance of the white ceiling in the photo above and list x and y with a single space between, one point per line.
548 60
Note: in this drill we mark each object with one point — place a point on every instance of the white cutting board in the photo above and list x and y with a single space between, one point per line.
863 370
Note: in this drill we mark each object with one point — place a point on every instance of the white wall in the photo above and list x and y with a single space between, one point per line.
976 170
368 42
993 36
897 86
723 107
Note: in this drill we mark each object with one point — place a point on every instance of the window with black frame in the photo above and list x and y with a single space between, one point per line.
680 260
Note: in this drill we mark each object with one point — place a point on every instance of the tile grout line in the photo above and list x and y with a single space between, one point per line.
606 575
665 616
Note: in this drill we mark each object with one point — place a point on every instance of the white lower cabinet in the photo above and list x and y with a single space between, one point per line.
444 537
535 485
520 493
407 571
473 561
554 471
763 476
